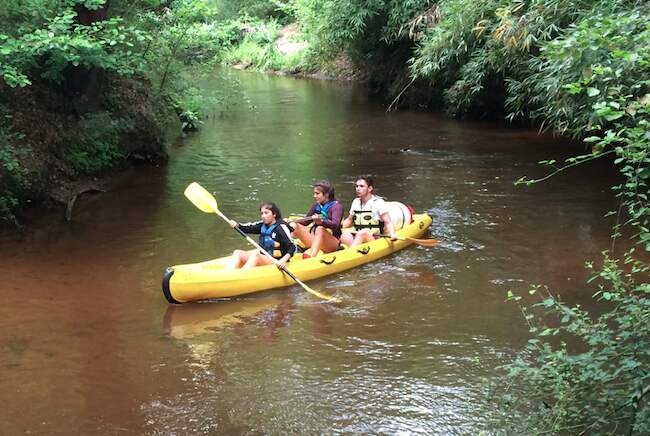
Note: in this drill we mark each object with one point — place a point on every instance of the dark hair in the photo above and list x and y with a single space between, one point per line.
368 179
275 210
326 188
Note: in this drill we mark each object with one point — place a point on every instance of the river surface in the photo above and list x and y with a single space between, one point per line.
89 345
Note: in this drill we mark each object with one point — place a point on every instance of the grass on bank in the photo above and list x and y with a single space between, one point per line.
258 50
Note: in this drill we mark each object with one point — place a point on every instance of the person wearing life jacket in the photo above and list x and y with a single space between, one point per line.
275 239
368 215
325 214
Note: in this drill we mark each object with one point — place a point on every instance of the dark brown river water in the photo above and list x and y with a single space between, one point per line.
88 344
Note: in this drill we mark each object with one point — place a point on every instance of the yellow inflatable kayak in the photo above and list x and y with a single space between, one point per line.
209 279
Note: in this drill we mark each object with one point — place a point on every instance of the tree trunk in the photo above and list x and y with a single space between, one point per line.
81 84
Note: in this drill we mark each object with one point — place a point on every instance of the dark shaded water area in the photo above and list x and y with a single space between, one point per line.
90 346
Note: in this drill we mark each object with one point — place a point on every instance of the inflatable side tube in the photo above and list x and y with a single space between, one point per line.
165 286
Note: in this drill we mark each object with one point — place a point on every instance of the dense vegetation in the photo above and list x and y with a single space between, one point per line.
578 68
86 85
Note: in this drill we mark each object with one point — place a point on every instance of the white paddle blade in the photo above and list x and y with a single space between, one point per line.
201 198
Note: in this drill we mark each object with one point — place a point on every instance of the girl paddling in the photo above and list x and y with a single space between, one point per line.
275 238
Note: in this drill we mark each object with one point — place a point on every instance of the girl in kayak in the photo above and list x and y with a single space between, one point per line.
275 239
325 214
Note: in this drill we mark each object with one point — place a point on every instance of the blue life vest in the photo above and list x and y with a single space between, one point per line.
267 242
322 210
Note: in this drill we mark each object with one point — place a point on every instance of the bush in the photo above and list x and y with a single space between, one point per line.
592 81
601 55
257 48
586 374
52 39
259 9
97 148
14 179
355 25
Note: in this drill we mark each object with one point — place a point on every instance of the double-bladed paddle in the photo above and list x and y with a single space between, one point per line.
201 198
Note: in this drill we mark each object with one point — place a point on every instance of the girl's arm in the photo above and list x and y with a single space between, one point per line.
283 261
254 228
283 237
307 219
286 245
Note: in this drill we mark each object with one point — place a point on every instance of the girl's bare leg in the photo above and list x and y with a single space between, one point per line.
347 239
323 240
362 237
238 258
303 234
256 259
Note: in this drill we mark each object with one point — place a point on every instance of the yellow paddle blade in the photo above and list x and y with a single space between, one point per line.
201 198
318 294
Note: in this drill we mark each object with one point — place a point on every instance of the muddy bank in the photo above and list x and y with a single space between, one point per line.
59 143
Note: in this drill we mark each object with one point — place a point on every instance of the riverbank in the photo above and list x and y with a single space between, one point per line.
59 143
63 140
284 51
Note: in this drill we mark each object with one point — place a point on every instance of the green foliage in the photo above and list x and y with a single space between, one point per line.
257 48
604 92
97 148
250 53
586 374
473 54
206 42
358 25
477 46
54 40
190 108
153 38
92 157
14 178
335 24
603 58
592 80
187 34
297 62
260 9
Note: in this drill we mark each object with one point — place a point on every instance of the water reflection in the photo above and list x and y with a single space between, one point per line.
189 320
